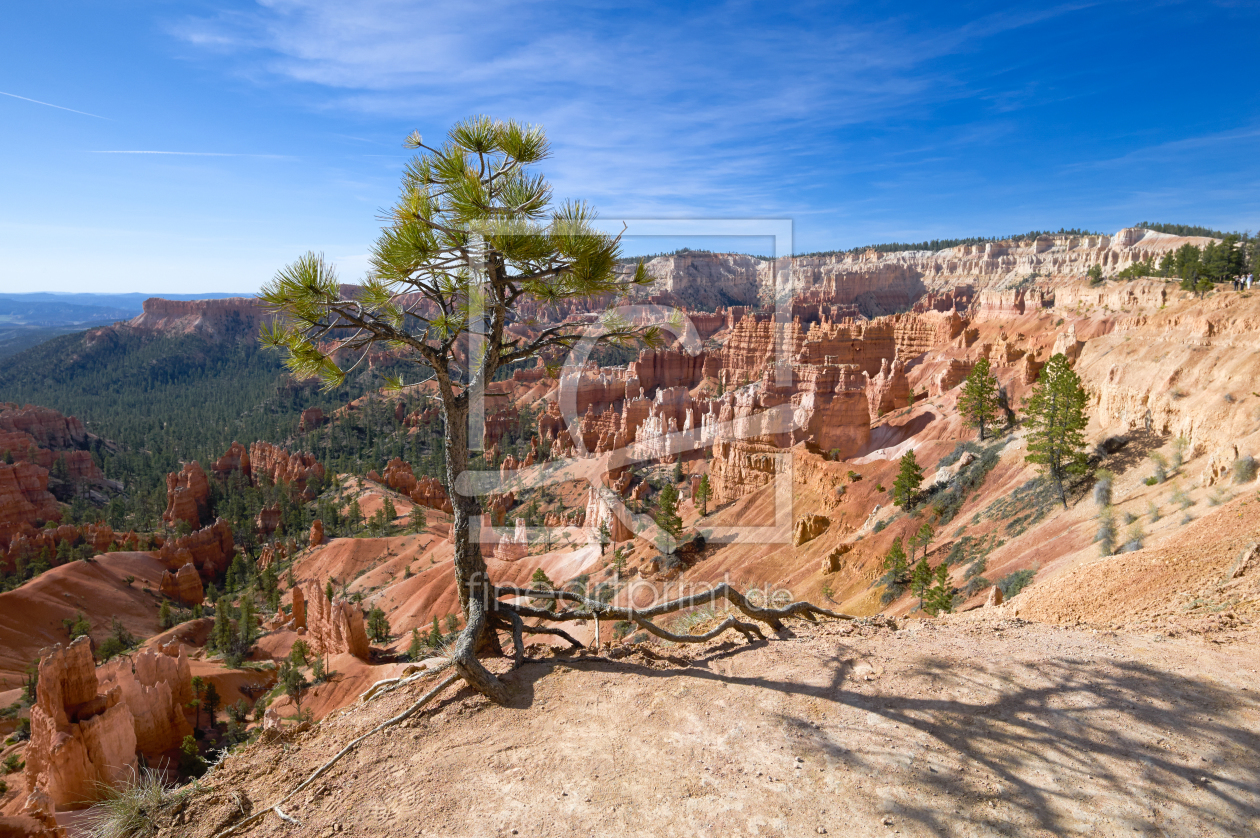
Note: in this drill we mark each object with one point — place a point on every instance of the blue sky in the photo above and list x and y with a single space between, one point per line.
188 147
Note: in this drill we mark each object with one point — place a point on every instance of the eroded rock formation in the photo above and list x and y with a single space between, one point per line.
187 496
80 740
280 466
183 586
155 687
209 549
334 627
25 501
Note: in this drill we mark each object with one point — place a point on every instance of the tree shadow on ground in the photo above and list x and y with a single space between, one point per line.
1071 741
1141 444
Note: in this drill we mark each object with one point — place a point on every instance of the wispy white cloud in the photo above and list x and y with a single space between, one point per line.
189 153
652 110
51 105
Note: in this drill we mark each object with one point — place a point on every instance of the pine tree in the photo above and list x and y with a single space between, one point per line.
221 634
328 590
908 481
921 579
247 629
923 537
164 615
416 649
417 520
212 700
1056 421
667 517
198 688
703 493
435 633
378 625
292 680
390 511
895 564
978 401
940 597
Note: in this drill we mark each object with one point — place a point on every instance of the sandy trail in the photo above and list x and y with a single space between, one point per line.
970 726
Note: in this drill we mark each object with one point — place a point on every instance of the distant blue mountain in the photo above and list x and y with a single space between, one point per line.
28 320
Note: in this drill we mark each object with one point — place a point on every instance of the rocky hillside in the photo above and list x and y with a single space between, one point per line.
883 283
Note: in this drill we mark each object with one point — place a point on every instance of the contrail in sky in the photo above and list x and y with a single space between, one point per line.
51 105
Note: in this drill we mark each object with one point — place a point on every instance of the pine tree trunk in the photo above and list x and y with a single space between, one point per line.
471 579
470 566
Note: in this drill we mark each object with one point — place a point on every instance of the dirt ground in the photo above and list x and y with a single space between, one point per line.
972 725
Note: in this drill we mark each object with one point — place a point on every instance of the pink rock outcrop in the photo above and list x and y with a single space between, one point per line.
280 466
155 687
236 458
48 428
267 522
316 537
209 549
187 496
24 499
299 608
334 627
888 390
311 419
183 586
80 740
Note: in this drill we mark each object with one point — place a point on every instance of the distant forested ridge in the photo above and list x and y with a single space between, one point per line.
1182 229
946 244
169 397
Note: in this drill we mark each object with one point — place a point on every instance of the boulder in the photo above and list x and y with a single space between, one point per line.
809 527
944 476
1248 561
317 533
831 562
994 598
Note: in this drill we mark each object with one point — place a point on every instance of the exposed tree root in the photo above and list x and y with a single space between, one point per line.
488 613
749 630
275 807
589 608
